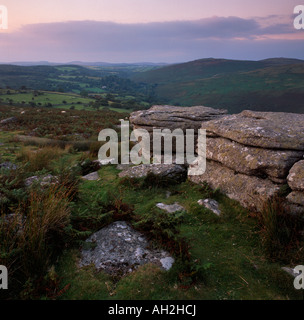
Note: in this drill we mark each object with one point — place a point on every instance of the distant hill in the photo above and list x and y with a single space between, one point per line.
275 84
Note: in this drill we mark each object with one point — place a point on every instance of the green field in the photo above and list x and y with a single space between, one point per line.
59 100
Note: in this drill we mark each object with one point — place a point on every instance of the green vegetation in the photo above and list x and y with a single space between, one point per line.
72 79
56 114
216 257
71 101
267 85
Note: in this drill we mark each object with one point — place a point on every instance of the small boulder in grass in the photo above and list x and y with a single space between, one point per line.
91 176
171 208
210 204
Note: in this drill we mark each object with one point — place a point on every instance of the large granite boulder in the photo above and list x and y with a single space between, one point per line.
119 249
260 162
271 130
173 172
251 155
173 117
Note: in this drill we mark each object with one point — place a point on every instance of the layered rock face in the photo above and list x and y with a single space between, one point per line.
252 155
172 117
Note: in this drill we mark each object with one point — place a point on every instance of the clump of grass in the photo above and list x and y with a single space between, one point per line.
40 159
281 232
32 236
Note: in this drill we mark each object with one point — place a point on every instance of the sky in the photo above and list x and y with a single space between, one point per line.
149 30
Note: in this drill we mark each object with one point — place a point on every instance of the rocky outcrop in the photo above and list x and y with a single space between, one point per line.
250 191
251 155
173 172
270 130
172 117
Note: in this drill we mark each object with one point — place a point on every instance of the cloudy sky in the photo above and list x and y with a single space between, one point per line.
149 30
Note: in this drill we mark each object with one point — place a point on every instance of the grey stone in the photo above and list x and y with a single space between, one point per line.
210 204
252 160
173 117
296 197
170 208
167 262
119 249
296 176
170 171
271 130
91 176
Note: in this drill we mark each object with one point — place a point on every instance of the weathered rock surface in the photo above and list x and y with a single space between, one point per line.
250 191
271 130
119 249
296 197
252 160
173 117
174 172
94 176
210 204
170 208
296 176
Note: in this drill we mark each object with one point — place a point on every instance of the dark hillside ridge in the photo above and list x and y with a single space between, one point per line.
275 84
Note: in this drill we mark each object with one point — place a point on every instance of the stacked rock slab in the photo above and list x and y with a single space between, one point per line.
296 183
173 117
251 154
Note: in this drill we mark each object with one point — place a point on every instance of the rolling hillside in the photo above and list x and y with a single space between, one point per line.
268 85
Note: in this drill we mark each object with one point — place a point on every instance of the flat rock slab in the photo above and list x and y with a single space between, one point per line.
119 249
173 117
170 171
91 176
210 204
272 130
252 160
170 208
